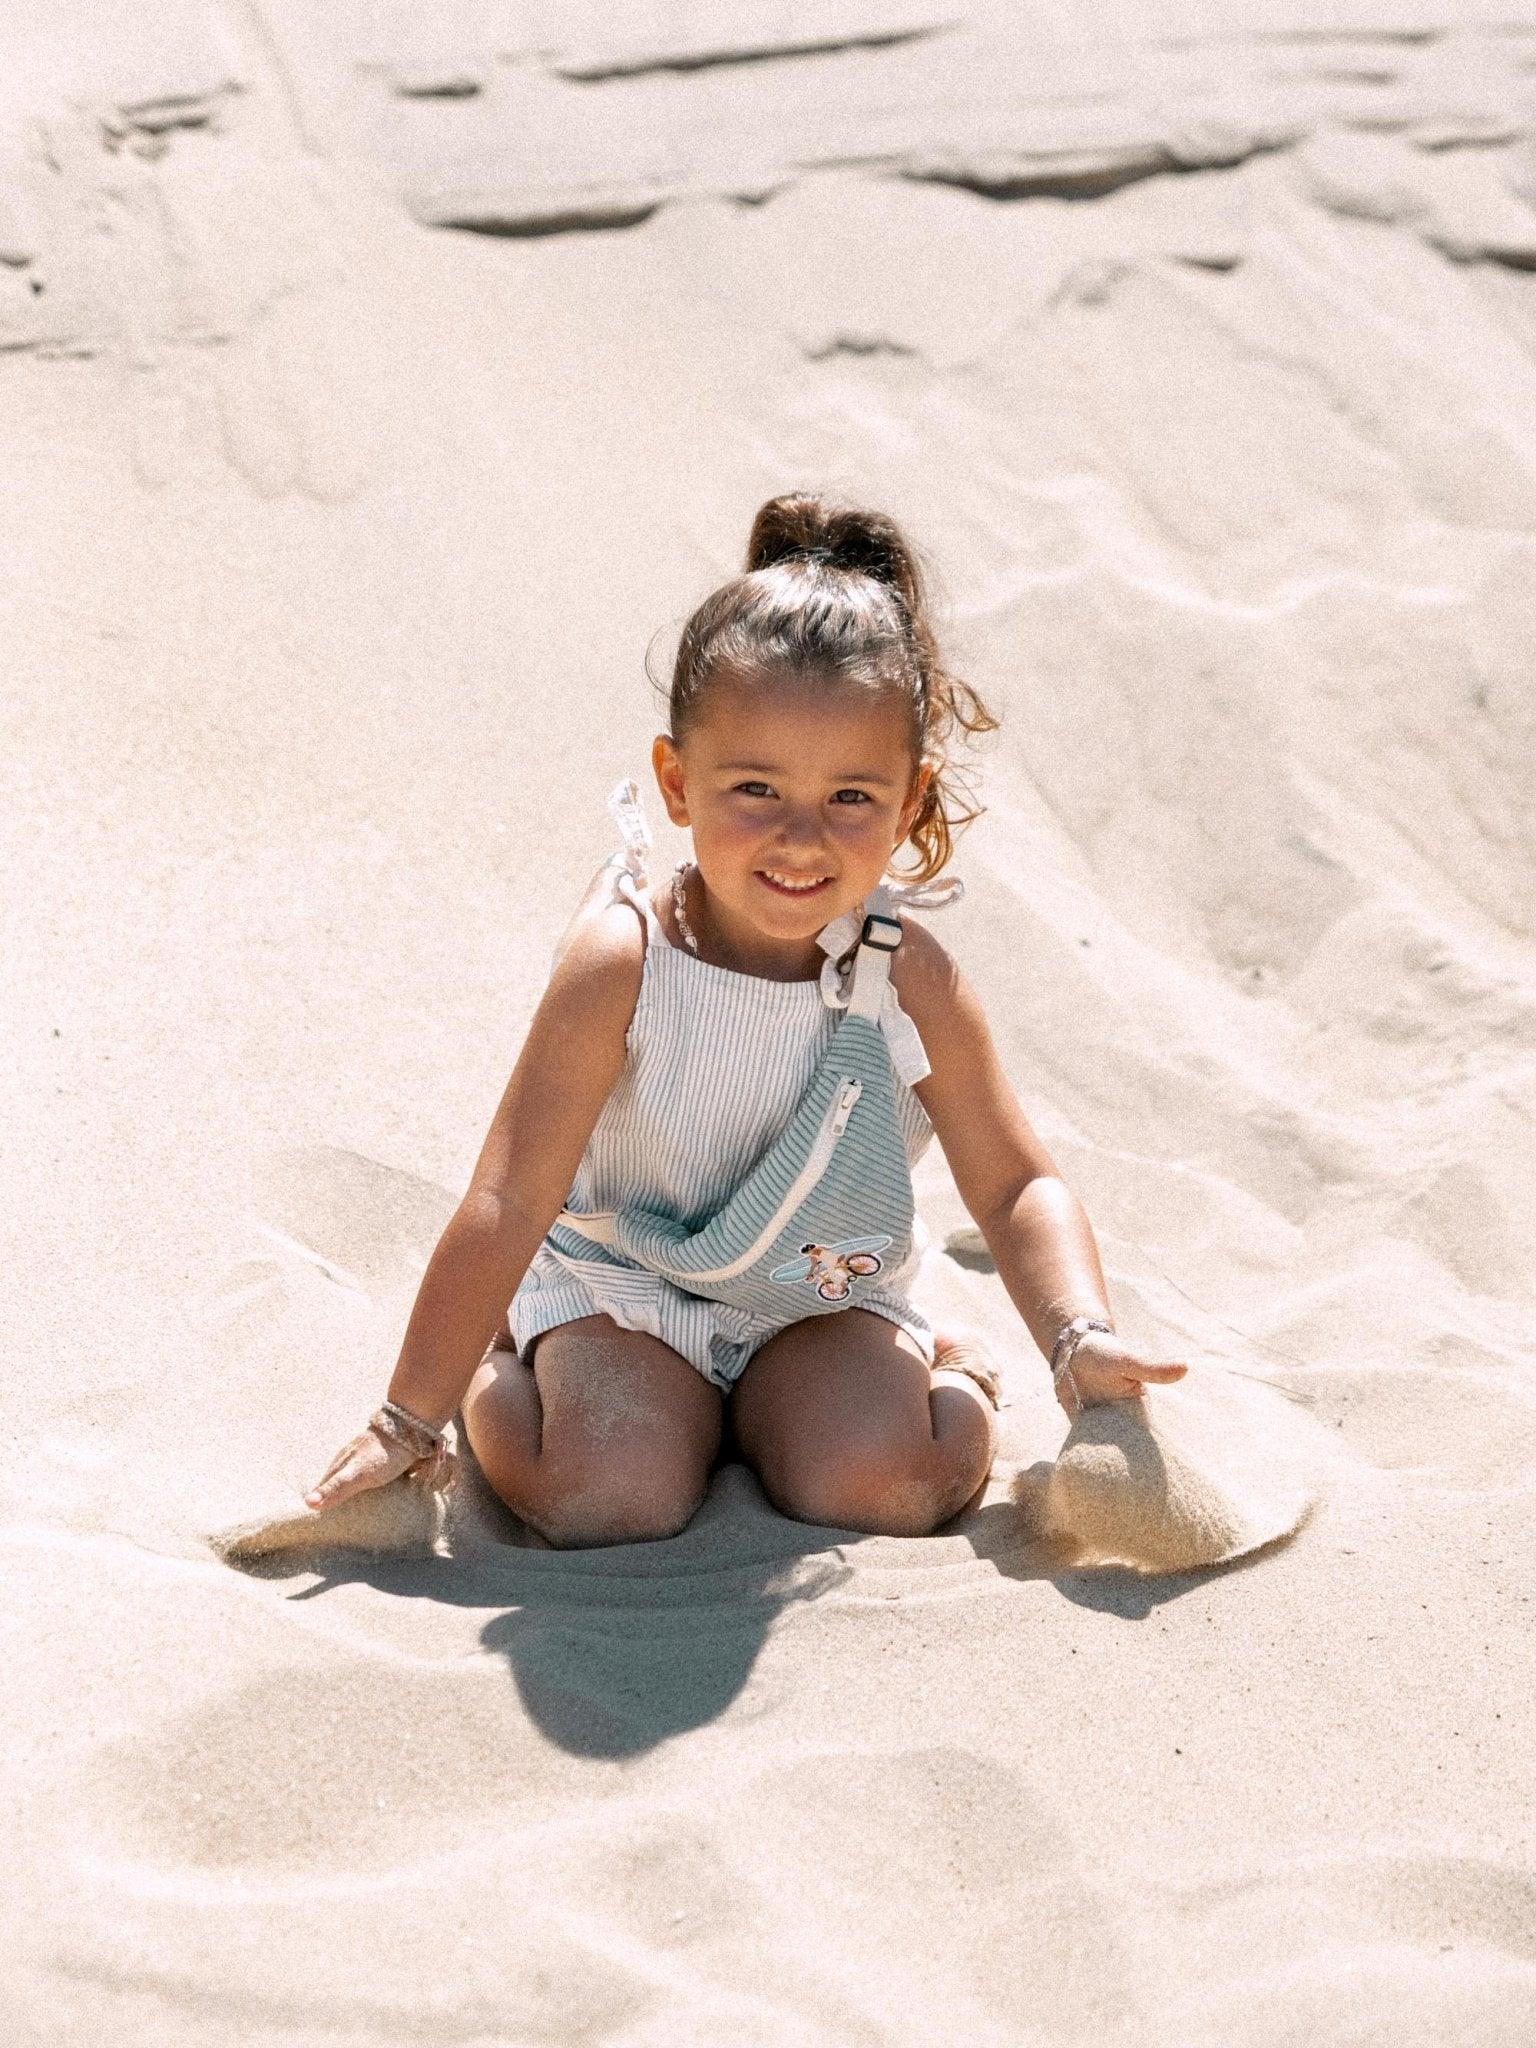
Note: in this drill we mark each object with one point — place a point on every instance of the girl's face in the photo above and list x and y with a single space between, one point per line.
797 796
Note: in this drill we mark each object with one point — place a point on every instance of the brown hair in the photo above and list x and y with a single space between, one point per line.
837 591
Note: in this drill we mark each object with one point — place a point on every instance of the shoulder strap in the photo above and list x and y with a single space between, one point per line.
624 885
626 869
876 931
879 936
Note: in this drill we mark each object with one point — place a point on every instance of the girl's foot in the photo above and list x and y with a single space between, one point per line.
962 1351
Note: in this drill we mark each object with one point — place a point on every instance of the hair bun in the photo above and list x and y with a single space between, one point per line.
802 526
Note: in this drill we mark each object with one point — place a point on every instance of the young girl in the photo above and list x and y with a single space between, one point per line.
696 1191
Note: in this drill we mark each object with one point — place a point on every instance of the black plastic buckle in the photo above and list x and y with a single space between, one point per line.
867 936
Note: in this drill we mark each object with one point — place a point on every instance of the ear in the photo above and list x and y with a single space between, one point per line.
668 769
915 797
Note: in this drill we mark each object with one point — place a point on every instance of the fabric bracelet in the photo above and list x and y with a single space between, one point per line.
400 1426
985 1376
1064 1350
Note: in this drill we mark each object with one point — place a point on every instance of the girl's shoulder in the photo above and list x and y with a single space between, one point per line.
925 977
601 964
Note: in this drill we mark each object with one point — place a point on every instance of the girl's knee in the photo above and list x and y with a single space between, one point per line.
966 1422
613 1510
882 1486
879 1492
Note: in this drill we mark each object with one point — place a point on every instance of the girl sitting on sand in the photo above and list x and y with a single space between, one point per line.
696 1191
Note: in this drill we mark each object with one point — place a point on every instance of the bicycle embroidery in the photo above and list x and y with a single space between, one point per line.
832 1268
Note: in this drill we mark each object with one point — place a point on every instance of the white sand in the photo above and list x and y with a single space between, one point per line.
333 542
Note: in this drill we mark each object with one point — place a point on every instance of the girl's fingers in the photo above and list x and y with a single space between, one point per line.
1120 1379
336 1486
365 1462
341 1458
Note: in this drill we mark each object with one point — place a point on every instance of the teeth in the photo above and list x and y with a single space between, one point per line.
788 881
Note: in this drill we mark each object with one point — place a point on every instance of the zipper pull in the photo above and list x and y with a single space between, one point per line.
852 1090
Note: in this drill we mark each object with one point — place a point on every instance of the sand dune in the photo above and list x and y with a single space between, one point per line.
380 386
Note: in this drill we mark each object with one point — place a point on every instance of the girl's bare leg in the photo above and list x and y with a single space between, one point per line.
847 1426
608 1436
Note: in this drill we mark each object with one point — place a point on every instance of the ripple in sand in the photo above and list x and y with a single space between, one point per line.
1419 1950
1463 1427
329 1771
939 1882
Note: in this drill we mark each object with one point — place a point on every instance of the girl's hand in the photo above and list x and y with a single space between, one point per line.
369 1461
1106 1369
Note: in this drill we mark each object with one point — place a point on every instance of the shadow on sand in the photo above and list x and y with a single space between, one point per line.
615 1649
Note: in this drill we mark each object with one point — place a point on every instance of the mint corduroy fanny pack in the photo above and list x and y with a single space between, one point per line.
829 1206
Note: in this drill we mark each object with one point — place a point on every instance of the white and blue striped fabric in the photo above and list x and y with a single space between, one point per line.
719 1066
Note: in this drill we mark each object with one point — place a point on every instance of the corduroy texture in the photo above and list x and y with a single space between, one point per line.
864 1192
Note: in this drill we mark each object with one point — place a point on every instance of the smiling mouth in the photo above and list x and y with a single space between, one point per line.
793 885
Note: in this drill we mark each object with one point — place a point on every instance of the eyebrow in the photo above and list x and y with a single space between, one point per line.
762 768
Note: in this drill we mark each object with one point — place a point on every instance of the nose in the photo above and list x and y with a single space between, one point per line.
799 834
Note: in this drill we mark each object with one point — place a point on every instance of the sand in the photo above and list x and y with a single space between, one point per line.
381 385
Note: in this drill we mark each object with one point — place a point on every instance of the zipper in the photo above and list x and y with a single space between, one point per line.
833 1124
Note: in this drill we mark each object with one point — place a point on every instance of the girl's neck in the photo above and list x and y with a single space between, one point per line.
728 942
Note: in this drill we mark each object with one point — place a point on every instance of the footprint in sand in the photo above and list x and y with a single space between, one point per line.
939 1882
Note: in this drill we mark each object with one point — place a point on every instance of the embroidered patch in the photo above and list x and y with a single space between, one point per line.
832 1268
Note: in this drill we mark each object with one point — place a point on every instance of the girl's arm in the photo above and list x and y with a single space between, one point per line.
1035 1227
571 1058
565 1072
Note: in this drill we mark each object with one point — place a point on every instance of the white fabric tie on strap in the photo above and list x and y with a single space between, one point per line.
634 828
629 816
842 934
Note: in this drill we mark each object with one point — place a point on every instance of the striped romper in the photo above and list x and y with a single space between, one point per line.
716 1063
